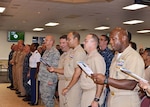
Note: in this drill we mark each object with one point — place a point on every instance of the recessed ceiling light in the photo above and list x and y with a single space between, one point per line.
2 9
102 28
131 22
38 29
135 6
143 31
51 24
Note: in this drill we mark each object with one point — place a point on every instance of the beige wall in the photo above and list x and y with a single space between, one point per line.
5 45
141 40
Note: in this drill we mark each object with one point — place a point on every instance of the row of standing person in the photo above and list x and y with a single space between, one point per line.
35 63
75 87
73 93
26 79
23 64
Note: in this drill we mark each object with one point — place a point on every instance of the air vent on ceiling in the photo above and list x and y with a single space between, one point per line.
5 1
72 16
5 15
80 1
75 1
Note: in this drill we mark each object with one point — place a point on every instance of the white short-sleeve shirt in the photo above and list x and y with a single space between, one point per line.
34 58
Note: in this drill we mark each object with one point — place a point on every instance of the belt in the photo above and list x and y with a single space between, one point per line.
34 68
61 78
123 93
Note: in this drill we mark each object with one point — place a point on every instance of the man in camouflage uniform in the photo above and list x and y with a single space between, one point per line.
48 80
60 70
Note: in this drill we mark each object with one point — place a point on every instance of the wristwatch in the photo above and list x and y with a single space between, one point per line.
106 80
96 99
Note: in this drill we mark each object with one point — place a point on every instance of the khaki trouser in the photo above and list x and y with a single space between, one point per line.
14 77
87 97
73 97
20 81
61 86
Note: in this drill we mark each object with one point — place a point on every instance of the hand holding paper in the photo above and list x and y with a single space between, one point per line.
44 62
85 67
132 74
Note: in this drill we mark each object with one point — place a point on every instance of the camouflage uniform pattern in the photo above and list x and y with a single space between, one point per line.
47 91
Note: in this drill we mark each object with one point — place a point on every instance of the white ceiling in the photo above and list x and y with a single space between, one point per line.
79 15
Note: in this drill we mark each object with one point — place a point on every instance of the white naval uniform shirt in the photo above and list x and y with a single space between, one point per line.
34 58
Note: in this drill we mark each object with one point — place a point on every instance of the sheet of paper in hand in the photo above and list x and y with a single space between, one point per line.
132 74
85 67
29 82
44 62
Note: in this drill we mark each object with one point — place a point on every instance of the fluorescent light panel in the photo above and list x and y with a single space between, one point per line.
2 9
38 29
135 6
102 28
143 31
131 22
51 24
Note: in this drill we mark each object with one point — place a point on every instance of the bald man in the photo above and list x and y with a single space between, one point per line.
48 80
123 88
14 61
72 91
60 70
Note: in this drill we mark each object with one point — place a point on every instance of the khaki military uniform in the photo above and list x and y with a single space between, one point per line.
73 97
17 70
132 61
61 79
20 73
97 64
15 67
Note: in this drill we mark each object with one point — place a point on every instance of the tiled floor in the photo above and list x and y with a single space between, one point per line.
8 98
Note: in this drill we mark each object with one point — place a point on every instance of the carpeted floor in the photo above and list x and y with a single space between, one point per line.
8 98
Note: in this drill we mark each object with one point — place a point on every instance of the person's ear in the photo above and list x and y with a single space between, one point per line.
124 38
148 57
